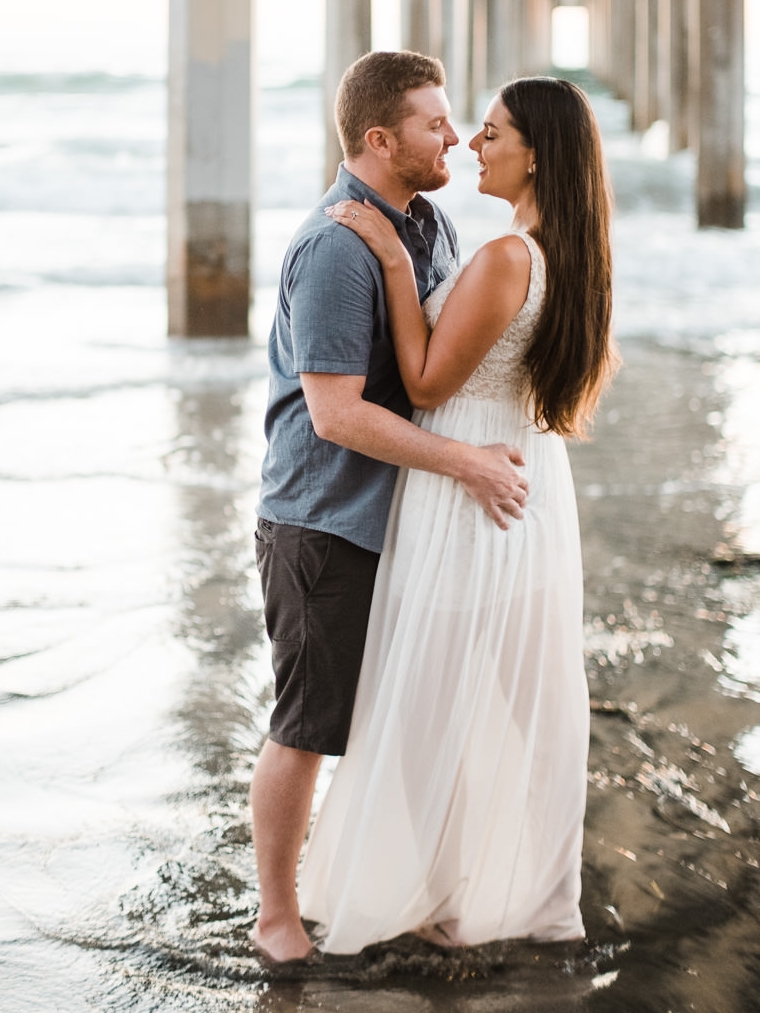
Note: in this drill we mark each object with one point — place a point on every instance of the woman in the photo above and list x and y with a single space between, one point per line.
458 809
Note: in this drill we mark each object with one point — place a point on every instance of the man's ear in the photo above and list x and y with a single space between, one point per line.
380 142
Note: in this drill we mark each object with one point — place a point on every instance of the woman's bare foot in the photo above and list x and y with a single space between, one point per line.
437 935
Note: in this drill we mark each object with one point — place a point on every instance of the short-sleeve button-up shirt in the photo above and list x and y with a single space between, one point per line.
331 318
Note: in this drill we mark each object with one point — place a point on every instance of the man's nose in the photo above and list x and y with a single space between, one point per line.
452 137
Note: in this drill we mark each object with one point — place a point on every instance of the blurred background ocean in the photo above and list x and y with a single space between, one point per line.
82 159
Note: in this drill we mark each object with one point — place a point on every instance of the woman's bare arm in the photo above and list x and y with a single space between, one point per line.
489 292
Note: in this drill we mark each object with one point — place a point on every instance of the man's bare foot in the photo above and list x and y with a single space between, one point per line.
282 942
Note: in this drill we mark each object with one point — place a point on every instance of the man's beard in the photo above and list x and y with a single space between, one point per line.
417 173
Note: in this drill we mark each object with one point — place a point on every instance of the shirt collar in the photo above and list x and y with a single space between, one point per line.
419 208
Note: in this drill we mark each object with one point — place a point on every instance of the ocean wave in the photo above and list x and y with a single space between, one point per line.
98 82
105 276
270 79
189 366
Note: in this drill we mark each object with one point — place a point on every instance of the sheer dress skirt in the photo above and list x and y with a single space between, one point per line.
460 800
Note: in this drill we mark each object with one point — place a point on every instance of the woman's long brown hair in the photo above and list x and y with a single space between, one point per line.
573 354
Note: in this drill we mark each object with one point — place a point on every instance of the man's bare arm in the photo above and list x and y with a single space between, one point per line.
340 414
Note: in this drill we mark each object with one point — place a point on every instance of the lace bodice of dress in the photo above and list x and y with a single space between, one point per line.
502 372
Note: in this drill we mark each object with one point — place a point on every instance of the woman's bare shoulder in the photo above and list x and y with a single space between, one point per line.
502 265
510 248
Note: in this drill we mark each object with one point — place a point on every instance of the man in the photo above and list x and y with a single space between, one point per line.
338 427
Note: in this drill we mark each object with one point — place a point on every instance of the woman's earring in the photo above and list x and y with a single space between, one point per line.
531 170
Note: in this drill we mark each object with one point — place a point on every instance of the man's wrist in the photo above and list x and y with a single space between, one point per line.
459 460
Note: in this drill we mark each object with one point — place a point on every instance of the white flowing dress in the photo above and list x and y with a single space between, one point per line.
461 797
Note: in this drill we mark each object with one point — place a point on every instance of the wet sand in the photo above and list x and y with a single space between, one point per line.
135 684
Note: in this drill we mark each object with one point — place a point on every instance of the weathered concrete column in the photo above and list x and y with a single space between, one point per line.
623 36
678 75
657 19
664 65
506 27
721 187
600 28
642 76
478 55
422 26
209 167
457 47
694 43
415 26
348 35
538 36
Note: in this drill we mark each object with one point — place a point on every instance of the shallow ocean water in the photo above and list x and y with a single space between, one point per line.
134 683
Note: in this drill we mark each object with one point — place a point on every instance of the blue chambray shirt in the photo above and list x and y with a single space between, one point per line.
331 318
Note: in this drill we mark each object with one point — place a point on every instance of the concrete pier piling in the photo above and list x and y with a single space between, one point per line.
348 35
209 167
721 187
422 26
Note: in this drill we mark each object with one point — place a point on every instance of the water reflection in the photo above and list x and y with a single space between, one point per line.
215 469
739 667
737 378
747 752
671 844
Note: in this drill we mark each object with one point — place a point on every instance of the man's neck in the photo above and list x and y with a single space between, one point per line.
389 189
